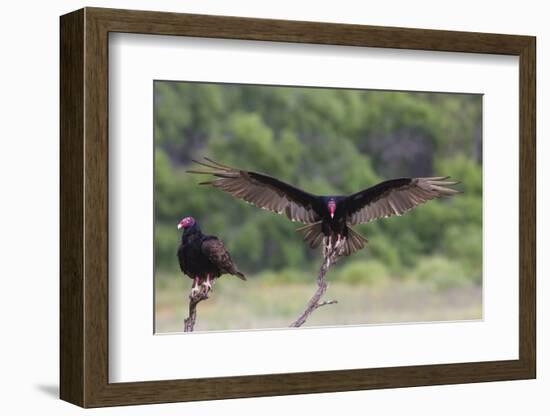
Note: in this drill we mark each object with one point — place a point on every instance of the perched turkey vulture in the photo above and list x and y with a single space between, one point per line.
203 257
328 218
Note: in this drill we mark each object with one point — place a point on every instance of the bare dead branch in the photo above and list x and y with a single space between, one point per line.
194 300
315 302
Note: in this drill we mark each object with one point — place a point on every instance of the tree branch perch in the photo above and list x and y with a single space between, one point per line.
313 304
194 300
315 301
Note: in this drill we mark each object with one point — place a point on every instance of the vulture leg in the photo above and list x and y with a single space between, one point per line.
195 289
326 246
340 243
207 283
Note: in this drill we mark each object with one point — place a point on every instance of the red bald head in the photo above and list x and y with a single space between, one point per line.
186 223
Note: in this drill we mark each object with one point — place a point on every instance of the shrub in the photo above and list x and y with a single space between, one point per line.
367 272
441 272
464 244
284 276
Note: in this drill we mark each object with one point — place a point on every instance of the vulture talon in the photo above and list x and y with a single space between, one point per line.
340 243
342 246
207 284
195 289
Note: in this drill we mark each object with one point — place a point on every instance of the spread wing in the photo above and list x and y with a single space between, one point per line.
214 249
395 197
261 190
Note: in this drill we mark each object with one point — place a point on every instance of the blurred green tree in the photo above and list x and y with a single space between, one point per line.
325 141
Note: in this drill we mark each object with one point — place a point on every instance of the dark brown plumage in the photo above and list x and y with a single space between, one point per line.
203 258
328 218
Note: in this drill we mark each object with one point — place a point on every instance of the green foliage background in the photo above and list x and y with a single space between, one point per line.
326 141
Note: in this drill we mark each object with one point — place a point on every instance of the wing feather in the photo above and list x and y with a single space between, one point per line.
395 197
261 190
214 249
216 252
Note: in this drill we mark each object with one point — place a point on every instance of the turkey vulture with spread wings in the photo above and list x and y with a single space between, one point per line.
203 257
328 218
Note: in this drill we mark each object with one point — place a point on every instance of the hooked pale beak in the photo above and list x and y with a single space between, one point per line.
331 209
180 226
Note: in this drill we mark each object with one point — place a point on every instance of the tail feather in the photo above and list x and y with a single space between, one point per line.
354 242
239 275
313 235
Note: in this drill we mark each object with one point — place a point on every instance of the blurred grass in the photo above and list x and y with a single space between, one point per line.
266 303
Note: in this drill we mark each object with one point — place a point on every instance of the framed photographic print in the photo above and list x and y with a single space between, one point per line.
255 207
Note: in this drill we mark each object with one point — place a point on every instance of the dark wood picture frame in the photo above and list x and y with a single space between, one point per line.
84 207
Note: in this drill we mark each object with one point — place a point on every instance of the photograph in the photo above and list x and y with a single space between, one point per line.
296 206
262 205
